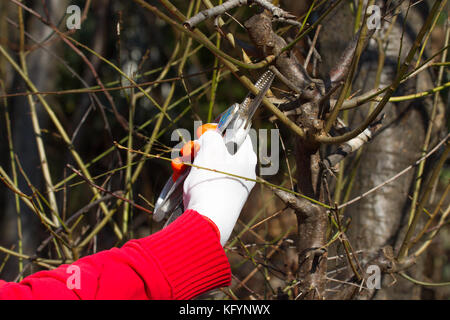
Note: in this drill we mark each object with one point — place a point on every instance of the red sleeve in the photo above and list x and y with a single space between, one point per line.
180 262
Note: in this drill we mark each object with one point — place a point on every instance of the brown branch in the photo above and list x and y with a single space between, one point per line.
388 264
213 12
299 205
353 145
225 59
436 148
72 218
312 49
260 30
115 194
392 88
285 80
122 121
312 220
312 255
342 67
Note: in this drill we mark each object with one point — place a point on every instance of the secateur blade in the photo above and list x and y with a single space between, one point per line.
263 85
170 198
239 127
174 216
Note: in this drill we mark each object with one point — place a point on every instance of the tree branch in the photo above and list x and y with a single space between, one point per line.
277 12
353 145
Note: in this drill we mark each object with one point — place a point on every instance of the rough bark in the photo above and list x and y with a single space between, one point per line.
312 222
377 220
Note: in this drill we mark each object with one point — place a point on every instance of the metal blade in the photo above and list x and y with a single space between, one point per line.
170 197
175 214
263 84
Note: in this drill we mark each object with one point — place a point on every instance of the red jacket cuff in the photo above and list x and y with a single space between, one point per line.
180 262
190 256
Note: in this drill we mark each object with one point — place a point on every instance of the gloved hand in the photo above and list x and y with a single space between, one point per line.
214 195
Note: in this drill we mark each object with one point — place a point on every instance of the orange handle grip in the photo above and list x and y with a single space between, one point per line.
203 128
189 151
178 168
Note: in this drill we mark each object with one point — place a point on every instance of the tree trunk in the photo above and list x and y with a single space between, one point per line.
377 219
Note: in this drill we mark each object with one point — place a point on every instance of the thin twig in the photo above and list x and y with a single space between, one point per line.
436 148
115 194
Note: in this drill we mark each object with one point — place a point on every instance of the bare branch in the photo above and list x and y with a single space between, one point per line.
260 30
436 148
301 206
353 145
391 89
312 49
388 264
278 13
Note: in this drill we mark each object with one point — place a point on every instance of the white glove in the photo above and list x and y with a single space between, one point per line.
217 196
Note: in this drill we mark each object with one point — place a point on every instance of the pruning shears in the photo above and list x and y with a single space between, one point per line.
233 124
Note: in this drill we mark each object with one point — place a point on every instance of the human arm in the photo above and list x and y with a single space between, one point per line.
179 262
